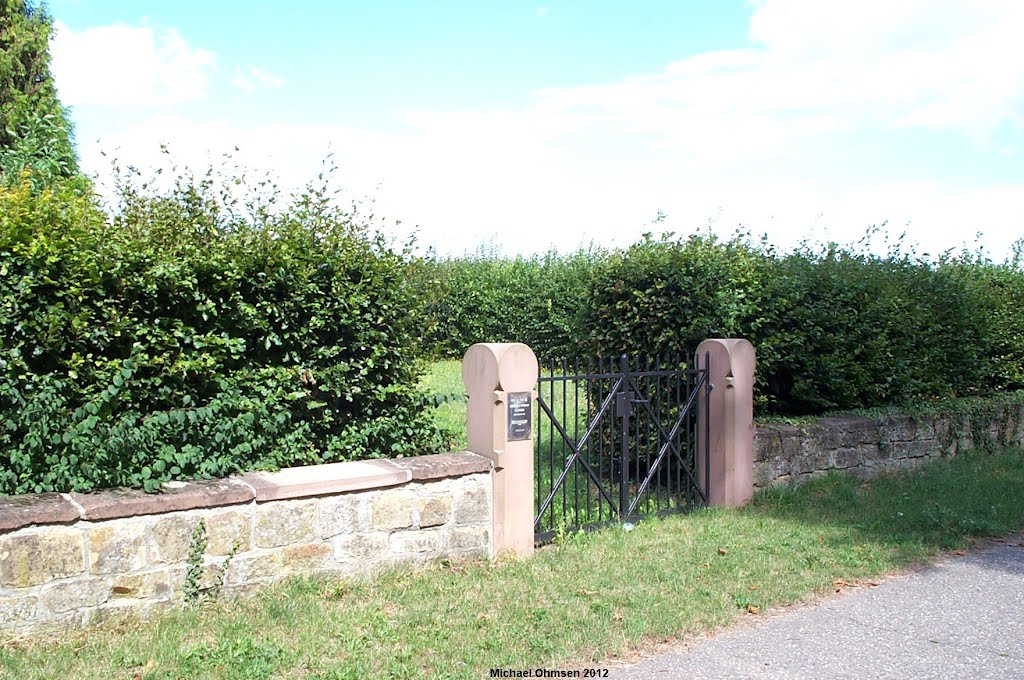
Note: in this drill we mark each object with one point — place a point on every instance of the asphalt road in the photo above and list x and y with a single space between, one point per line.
962 618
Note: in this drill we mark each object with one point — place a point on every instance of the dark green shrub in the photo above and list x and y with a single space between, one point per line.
840 329
666 296
833 329
487 298
186 337
995 297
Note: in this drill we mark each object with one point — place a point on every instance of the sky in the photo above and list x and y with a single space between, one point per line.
525 126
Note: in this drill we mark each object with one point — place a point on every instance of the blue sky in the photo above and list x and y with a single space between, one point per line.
531 125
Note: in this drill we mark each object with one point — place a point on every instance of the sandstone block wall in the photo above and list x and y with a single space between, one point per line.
68 558
867 447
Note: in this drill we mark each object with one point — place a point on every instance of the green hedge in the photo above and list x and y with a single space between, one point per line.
188 337
834 328
192 334
844 330
663 296
488 298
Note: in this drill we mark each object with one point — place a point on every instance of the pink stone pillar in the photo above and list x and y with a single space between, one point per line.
731 414
500 379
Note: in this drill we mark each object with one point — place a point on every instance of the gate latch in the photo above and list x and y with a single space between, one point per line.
624 403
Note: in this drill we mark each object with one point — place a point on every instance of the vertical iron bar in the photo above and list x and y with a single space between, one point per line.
659 496
562 378
688 433
551 442
691 431
538 446
586 419
699 370
696 423
576 435
707 425
647 427
600 439
624 445
681 387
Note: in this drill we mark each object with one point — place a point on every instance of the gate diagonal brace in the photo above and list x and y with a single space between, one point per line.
576 448
688 385
668 438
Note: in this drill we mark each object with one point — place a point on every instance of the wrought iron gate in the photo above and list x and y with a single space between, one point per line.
617 440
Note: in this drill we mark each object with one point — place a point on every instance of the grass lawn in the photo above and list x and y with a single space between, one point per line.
444 378
578 602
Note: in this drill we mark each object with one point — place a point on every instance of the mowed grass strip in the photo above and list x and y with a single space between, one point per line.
581 601
444 378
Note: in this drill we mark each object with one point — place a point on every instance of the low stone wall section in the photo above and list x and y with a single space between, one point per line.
68 558
868 447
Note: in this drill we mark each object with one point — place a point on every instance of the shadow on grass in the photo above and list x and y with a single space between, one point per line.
939 507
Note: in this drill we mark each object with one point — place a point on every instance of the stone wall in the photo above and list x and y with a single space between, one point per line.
68 558
867 447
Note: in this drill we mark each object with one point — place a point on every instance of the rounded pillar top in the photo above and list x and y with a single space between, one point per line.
507 366
739 354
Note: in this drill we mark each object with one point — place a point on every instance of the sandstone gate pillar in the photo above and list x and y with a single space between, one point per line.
731 411
500 380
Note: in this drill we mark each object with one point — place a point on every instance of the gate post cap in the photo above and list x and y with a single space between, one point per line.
739 352
499 366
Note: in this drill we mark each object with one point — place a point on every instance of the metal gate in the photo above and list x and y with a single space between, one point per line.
617 440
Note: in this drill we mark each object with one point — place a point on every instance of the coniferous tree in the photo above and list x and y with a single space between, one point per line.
35 132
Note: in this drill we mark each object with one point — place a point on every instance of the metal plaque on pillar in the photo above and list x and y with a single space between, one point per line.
520 416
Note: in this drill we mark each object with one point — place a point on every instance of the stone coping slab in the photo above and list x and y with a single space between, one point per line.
776 429
36 508
445 465
174 496
25 510
849 422
331 478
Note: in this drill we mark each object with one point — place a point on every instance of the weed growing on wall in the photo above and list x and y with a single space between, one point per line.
193 591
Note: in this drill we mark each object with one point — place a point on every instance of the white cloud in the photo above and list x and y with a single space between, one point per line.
529 195
702 139
123 66
821 67
934 215
418 177
255 78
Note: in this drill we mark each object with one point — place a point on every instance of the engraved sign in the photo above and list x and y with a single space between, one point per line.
520 416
